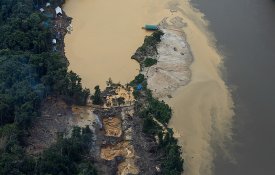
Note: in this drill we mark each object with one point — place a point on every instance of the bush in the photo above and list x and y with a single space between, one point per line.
138 80
171 163
97 96
149 46
150 126
159 110
12 157
149 62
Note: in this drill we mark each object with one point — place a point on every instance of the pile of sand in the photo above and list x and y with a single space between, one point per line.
172 69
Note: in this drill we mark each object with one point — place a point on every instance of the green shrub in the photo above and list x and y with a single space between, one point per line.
97 100
138 80
149 62
150 126
160 110
172 162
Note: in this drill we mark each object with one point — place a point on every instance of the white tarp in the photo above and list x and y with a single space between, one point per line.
54 41
58 10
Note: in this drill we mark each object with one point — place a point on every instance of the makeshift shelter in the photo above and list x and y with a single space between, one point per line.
48 4
58 11
41 10
54 41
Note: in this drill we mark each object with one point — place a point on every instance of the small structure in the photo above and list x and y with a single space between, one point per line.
41 10
58 11
54 41
150 27
48 4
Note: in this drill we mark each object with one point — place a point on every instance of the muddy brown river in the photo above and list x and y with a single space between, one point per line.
107 33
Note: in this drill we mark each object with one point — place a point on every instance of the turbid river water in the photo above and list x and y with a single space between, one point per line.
106 34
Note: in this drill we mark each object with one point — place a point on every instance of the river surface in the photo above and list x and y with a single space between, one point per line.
245 34
106 33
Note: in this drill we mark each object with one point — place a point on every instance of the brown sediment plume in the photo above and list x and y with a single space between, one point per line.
203 109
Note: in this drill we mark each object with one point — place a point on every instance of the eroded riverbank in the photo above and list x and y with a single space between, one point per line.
202 109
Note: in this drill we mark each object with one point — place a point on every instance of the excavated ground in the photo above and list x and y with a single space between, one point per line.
124 149
54 119
123 92
112 126
115 137
127 167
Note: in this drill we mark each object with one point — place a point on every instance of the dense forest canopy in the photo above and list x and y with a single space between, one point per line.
29 72
29 69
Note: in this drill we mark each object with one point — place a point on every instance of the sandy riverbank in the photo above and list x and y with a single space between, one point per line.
103 42
173 61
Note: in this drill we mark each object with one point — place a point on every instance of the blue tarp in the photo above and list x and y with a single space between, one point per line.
139 87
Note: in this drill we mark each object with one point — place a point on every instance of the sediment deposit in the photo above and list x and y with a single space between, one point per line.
172 69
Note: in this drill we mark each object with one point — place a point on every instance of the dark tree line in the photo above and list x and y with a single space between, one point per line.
152 109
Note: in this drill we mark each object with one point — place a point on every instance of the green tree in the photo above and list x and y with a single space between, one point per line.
149 62
97 100
121 100
67 155
86 169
